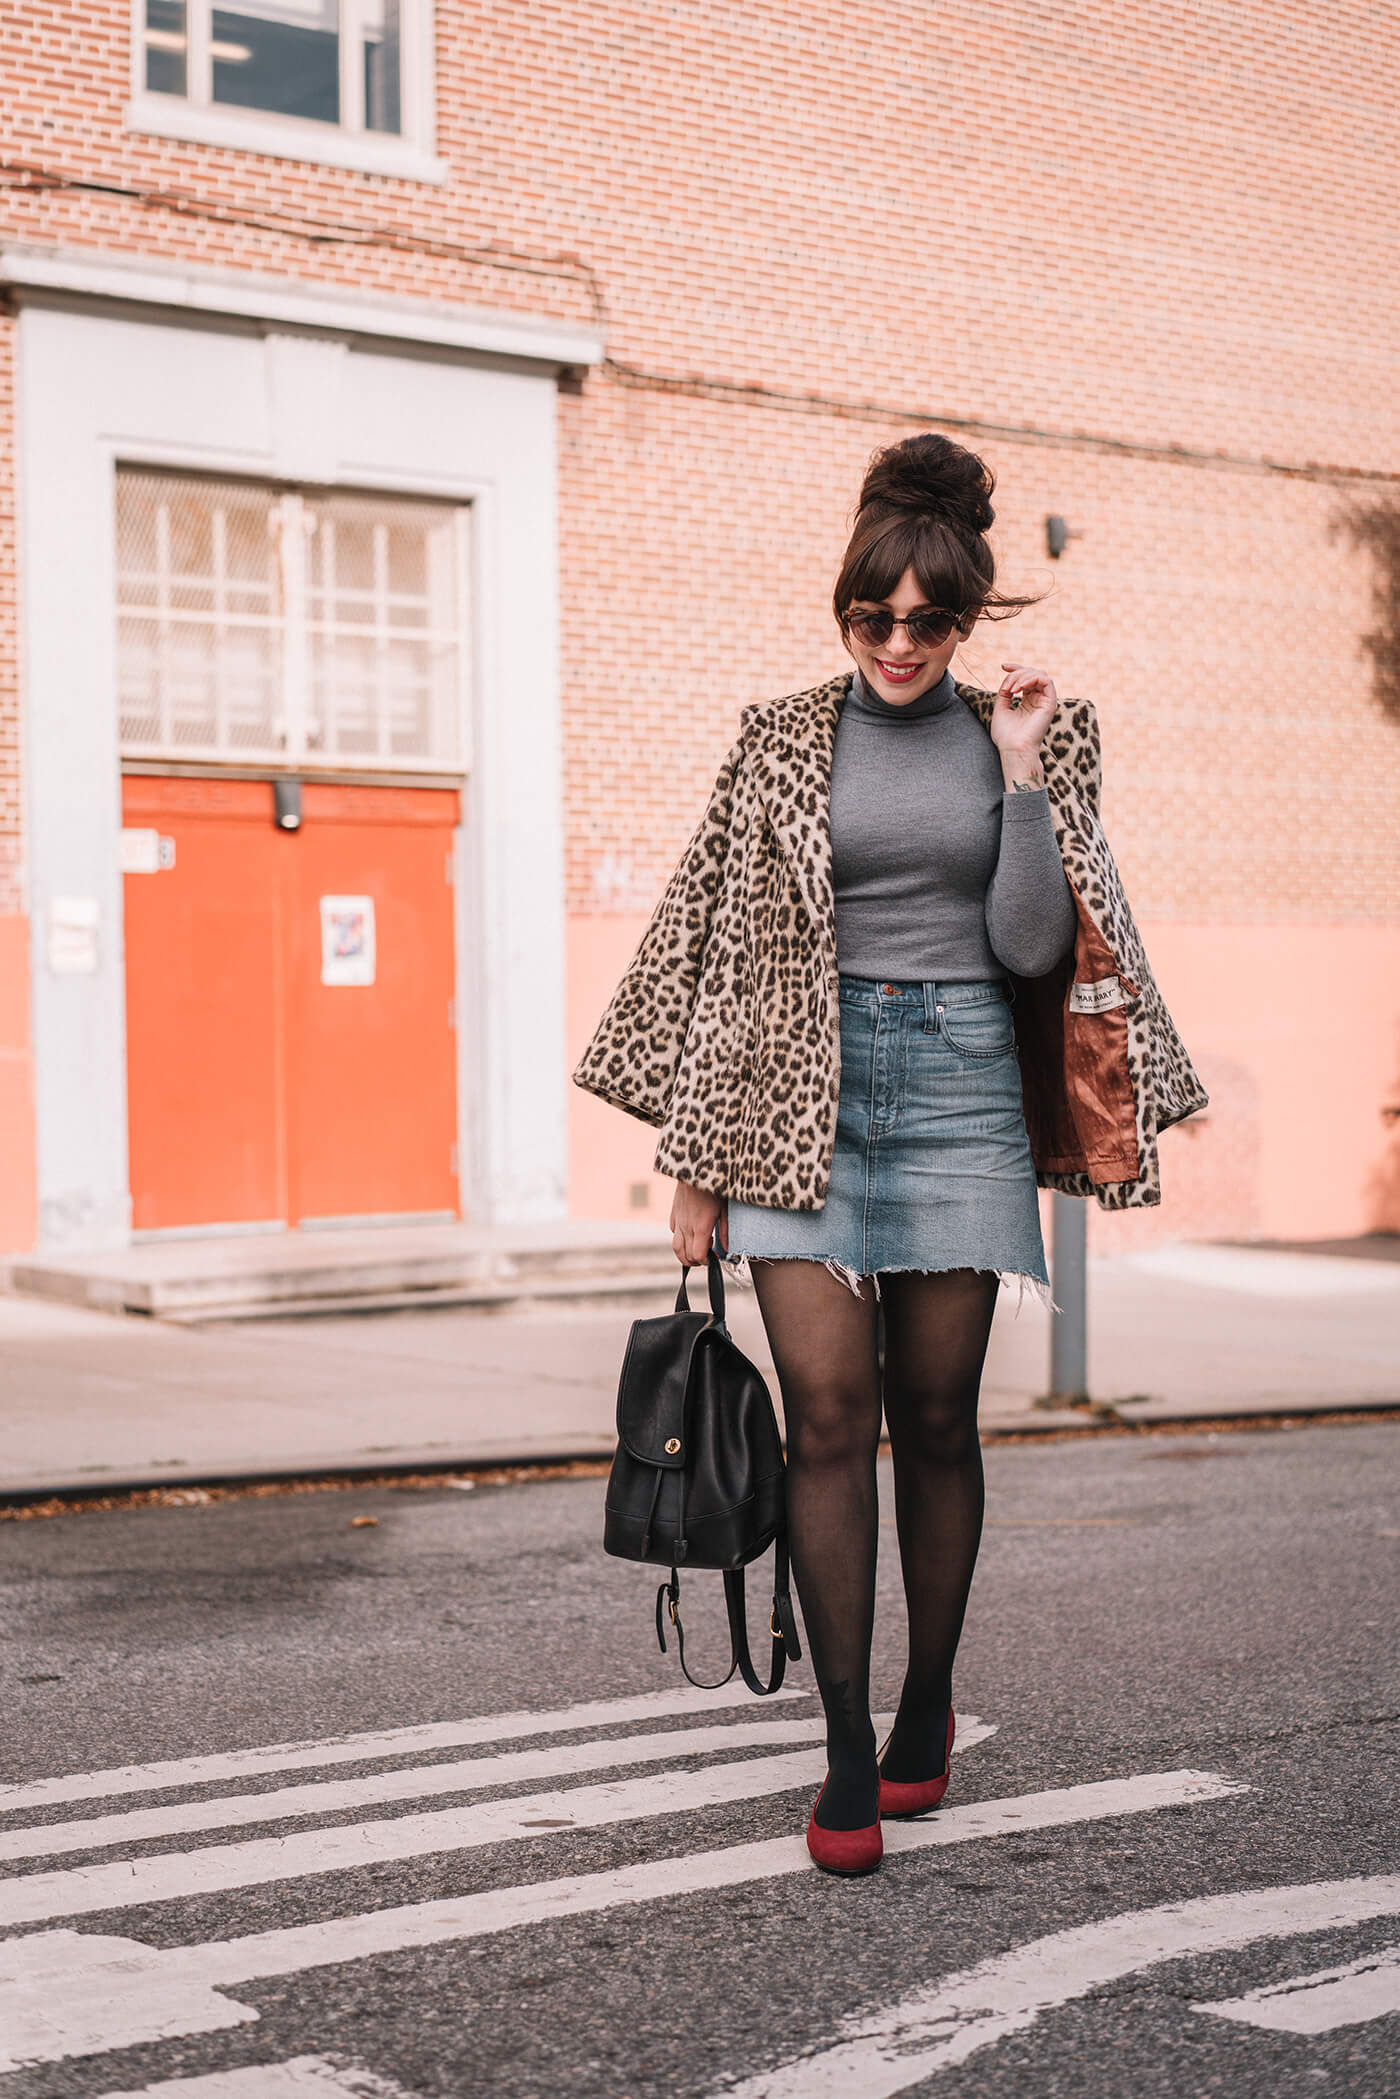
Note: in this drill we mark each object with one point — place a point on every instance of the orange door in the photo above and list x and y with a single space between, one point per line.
290 1046
202 1026
371 1073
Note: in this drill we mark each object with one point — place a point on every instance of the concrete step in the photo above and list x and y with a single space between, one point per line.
647 1292
380 1268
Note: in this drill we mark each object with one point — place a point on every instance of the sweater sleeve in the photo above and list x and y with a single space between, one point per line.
1030 907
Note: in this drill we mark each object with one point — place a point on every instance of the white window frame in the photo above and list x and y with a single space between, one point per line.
195 117
297 747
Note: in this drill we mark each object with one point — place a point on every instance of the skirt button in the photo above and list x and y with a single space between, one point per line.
888 990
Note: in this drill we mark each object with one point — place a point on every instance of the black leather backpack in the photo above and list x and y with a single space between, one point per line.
698 1476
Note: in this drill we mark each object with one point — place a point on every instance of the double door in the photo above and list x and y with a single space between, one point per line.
291 1047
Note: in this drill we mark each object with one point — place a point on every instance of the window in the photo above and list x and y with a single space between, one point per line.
275 627
347 81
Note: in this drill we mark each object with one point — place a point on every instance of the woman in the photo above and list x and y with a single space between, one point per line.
899 880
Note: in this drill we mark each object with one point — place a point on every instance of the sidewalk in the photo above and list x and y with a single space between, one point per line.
90 1400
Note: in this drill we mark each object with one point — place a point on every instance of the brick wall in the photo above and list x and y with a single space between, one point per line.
1215 618
1145 257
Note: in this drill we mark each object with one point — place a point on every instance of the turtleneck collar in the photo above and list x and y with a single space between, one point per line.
936 700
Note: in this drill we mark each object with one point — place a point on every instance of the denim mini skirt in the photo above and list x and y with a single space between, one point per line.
932 1167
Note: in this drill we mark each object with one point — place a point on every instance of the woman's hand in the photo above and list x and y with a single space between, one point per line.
1024 709
694 1215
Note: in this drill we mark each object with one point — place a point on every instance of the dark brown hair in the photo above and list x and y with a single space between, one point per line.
925 504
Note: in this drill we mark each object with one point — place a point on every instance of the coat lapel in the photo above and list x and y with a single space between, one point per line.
790 744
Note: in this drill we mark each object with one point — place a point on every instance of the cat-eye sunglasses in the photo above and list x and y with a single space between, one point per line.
928 628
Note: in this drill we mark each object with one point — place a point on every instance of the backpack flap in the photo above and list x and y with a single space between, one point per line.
651 1391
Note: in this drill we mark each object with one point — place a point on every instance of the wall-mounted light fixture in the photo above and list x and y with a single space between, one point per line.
1058 534
286 804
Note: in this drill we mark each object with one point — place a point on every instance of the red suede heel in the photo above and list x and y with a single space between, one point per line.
899 1802
846 1851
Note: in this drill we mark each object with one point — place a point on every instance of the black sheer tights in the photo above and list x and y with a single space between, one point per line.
825 1349
823 1340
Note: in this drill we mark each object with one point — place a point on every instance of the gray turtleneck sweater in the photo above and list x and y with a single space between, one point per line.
939 871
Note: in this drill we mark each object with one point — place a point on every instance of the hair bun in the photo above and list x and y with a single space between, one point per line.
930 476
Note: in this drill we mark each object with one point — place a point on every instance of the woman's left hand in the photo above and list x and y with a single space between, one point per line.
1025 707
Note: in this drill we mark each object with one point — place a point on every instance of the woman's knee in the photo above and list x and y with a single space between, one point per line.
933 1427
831 1425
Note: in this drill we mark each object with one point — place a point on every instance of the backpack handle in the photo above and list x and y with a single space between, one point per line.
715 1276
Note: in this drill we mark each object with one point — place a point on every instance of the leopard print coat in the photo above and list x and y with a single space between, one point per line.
725 1030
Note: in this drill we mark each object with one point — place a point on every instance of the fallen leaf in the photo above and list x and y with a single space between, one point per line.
359 1523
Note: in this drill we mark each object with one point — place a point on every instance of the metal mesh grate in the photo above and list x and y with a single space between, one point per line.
254 623
381 614
199 614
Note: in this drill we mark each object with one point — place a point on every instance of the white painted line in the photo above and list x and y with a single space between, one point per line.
502 1909
67 1993
513 1767
352 1749
123 1884
936 2028
170 1876
96 1832
304 2077
1351 1996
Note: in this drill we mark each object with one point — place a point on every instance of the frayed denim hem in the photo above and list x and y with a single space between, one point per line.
739 1264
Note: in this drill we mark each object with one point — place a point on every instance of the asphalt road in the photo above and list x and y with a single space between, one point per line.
1183 1653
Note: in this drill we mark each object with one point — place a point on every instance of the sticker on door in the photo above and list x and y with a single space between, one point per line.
347 940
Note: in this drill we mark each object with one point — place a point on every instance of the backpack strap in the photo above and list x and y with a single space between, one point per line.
782 1625
668 1604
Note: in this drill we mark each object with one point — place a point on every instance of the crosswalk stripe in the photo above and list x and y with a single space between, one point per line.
232 1764
169 1876
66 1993
939 2028
502 1909
516 1766
1351 1996
334 1796
304 2077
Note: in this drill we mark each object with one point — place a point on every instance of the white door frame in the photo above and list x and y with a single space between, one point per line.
106 381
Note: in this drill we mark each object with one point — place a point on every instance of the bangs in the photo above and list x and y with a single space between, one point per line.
953 576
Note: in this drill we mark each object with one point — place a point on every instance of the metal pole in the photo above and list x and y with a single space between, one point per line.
1069 1326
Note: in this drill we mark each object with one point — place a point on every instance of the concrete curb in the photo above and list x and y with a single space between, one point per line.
1059 1424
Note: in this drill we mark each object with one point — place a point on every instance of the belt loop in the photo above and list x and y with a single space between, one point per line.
930 1009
